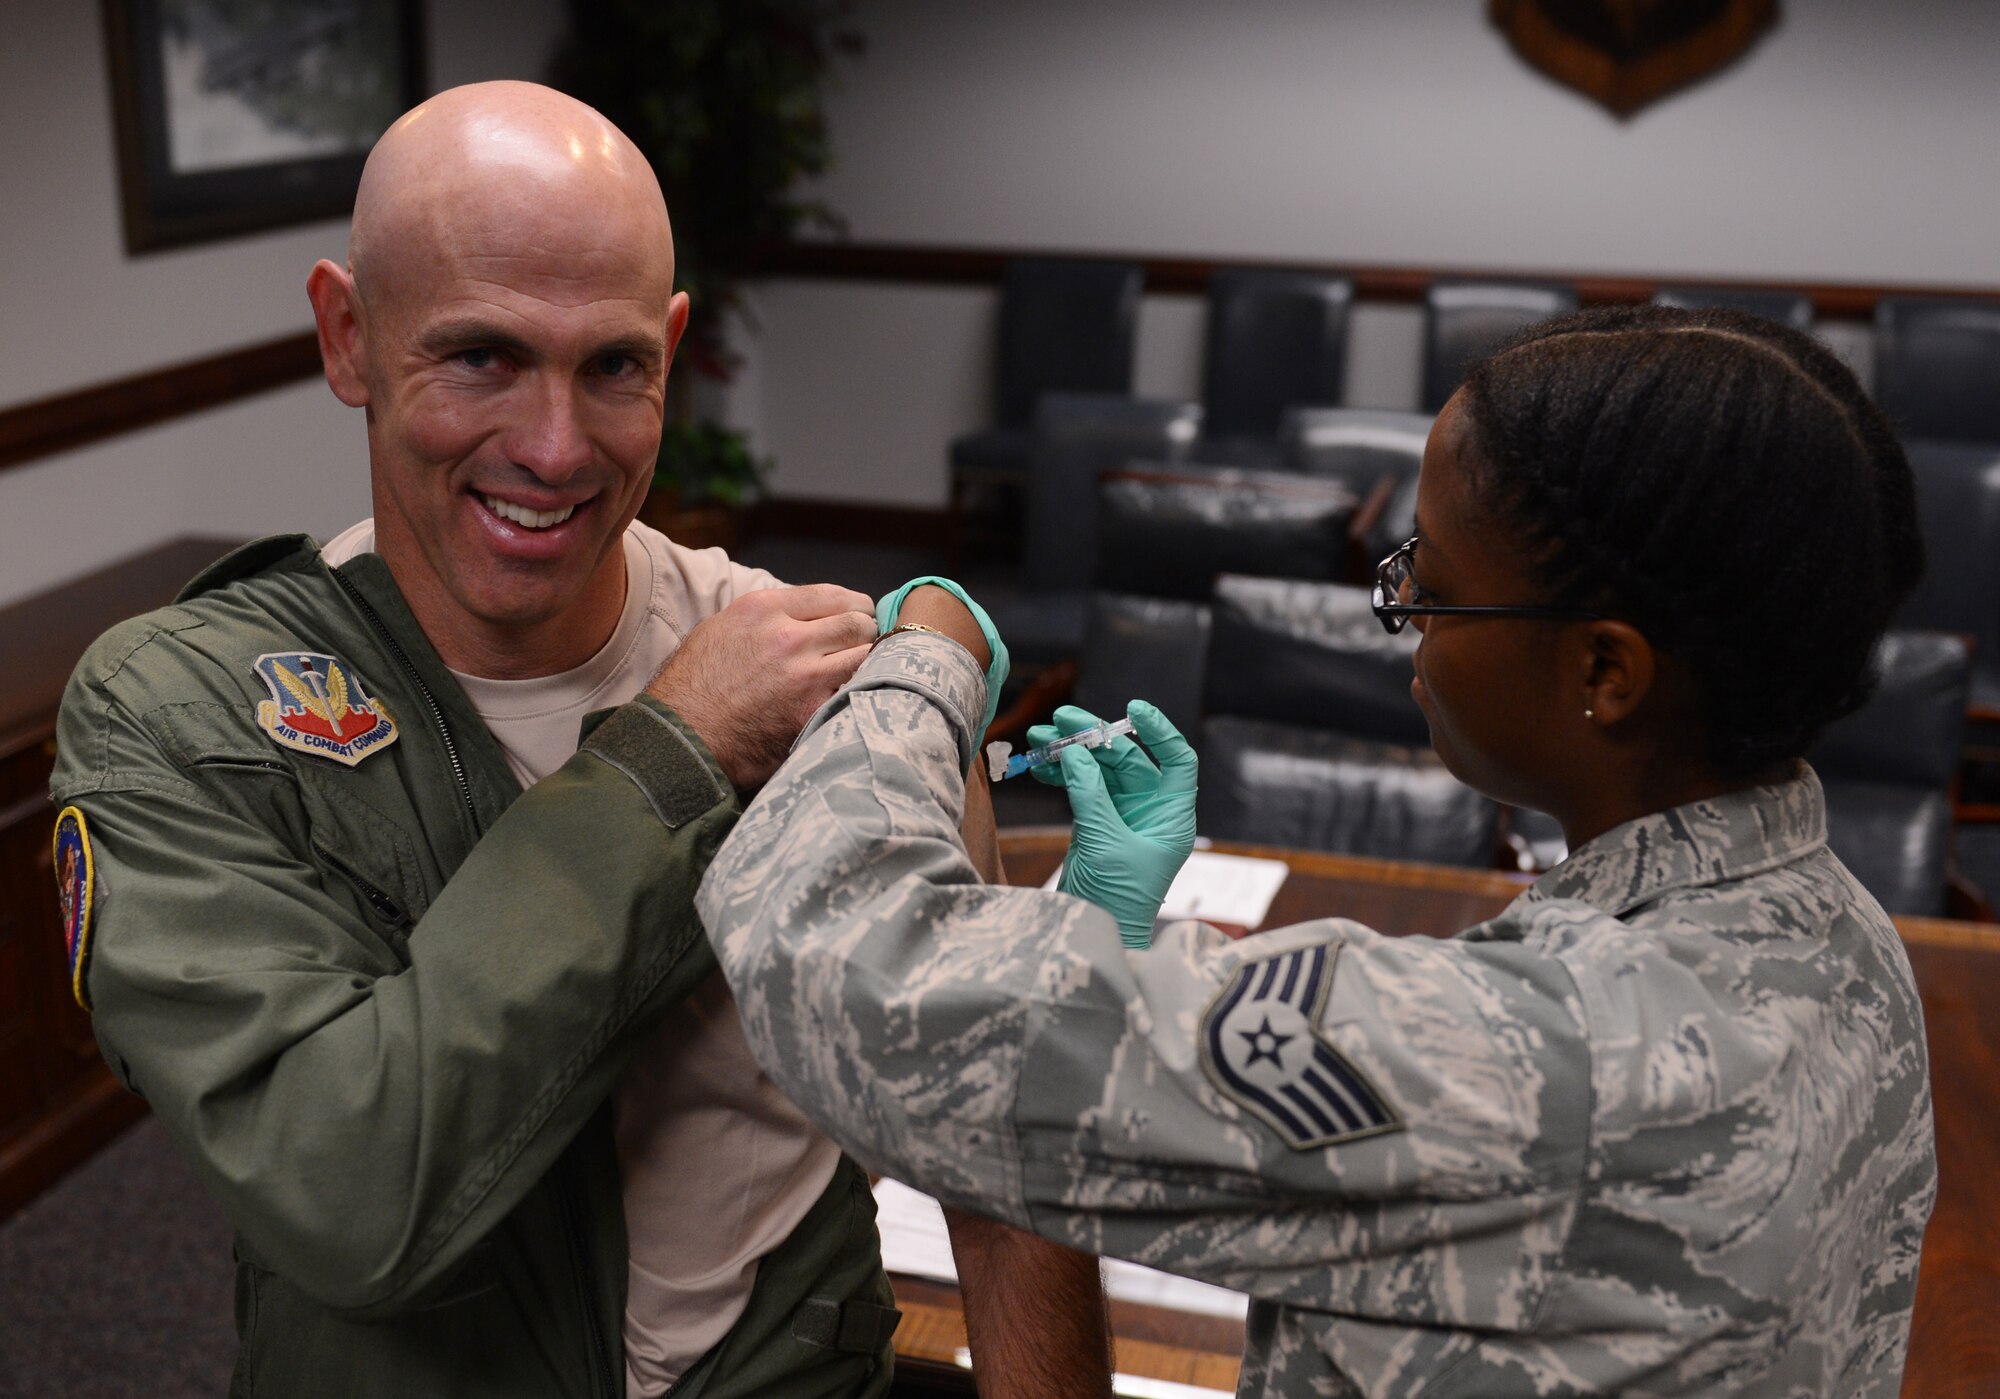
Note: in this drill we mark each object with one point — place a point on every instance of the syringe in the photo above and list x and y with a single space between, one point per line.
1000 766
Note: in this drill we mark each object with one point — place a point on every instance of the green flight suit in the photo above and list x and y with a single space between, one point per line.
382 1006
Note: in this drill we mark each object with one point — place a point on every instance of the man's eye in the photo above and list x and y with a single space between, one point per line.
611 366
477 359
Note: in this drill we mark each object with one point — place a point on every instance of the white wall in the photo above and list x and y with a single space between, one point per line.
1853 144
76 310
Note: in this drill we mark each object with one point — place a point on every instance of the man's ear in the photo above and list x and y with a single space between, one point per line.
1620 669
343 343
677 323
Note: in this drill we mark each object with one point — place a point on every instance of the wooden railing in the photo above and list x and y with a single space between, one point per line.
66 421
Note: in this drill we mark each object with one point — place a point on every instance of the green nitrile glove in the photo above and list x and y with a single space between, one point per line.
1134 821
996 669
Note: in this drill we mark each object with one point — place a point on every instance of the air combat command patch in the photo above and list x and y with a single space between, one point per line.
1260 1044
318 706
76 886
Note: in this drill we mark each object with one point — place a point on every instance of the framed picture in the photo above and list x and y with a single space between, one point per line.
235 115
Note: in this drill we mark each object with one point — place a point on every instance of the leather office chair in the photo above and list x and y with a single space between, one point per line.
1150 648
1275 339
1787 308
1465 320
1076 438
1937 367
1164 535
1066 326
1958 505
1311 738
1376 454
1169 532
1888 771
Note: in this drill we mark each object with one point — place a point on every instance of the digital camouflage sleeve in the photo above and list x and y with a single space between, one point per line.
1662 1127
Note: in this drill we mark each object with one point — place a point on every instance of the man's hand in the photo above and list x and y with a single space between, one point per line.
748 678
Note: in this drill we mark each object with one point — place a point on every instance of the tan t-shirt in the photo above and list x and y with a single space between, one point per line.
718 1166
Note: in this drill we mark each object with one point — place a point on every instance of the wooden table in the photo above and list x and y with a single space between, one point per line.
1955 1339
58 1103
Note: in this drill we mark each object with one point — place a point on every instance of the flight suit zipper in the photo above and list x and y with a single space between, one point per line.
579 1258
579 1252
395 648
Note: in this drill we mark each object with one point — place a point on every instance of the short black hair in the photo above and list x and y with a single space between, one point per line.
1722 482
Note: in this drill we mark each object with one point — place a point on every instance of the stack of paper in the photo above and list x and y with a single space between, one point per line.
1231 891
914 1241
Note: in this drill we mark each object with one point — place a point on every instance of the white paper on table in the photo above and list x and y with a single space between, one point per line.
914 1241
1218 888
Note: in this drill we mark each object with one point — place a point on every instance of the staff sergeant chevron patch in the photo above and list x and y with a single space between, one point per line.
1260 1044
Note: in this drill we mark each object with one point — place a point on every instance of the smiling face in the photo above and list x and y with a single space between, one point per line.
508 323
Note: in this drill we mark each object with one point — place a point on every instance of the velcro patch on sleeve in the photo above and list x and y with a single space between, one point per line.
1260 1044
76 887
645 746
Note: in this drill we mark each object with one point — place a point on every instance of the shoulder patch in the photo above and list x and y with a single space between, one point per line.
318 706
1260 1044
76 887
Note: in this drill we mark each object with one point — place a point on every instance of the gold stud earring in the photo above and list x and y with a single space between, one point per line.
1590 714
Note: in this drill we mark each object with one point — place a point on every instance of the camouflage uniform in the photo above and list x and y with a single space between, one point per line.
1661 1127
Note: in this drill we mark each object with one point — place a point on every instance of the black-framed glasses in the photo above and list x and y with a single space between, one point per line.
1396 584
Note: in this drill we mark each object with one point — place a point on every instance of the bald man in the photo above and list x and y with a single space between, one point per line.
413 975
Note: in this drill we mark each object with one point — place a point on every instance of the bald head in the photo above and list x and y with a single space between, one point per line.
507 318
501 170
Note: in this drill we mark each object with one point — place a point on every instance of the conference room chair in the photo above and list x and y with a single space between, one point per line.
1275 340
1376 454
1149 648
1464 320
1958 505
1794 309
1165 533
1170 531
1310 738
1937 367
1889 770
1066 326
1077 438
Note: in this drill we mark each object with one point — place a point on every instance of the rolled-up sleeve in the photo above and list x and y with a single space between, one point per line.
1000 1048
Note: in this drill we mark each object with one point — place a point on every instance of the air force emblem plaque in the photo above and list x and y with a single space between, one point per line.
318 706
1627 53
1260 1044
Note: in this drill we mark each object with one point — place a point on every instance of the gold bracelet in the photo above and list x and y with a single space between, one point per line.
907 626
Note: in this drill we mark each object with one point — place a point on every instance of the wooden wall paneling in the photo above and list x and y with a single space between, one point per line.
1180 274
65 421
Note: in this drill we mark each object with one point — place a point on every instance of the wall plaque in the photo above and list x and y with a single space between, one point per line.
1626 53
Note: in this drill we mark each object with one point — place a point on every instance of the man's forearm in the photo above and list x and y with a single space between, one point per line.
1034 1313
1034 1310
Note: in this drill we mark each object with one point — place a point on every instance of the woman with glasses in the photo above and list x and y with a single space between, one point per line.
1661 1127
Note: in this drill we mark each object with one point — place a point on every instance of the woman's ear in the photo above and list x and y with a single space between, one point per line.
1620 669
